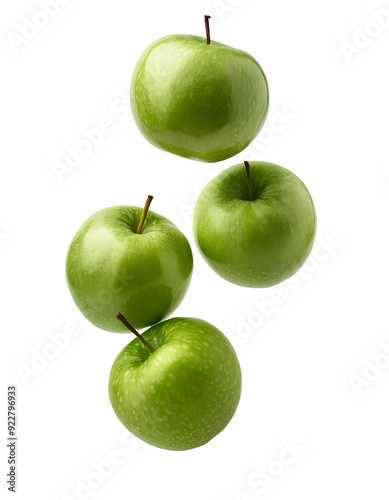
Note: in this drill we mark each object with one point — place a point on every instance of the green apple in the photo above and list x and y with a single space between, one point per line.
179 387
120 259
204 101
255 226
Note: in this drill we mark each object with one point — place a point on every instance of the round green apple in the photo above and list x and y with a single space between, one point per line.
255 226
111 266
180 390
204 101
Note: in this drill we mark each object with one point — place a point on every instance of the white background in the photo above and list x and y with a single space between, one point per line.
302 354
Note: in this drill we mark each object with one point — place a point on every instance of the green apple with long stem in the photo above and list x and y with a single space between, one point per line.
128 259
177 385
198 98
255 224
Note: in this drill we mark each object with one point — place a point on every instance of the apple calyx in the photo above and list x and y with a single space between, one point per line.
121 318
206 20
144 215
248 173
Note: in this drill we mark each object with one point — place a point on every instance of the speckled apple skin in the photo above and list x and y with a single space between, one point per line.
203 102
259 242
184 393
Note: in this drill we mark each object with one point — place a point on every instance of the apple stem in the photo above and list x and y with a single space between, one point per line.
248 173
121 318
206 20
144 215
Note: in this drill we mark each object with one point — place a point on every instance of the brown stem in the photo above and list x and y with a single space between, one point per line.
121 318
144 215
206 20
248 173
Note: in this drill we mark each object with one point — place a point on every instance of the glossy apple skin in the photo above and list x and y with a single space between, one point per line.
111 269
203 102
256 243
185 392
